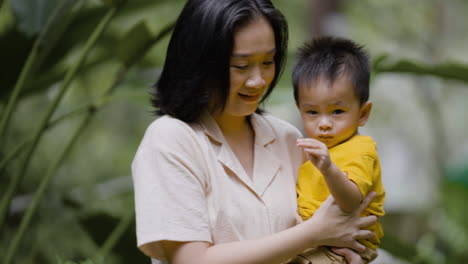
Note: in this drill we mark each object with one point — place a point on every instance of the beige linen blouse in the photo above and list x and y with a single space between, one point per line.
189 185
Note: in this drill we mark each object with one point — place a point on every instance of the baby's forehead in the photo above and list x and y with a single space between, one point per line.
326 82
342 87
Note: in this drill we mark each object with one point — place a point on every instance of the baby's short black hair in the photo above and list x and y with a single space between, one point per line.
329 58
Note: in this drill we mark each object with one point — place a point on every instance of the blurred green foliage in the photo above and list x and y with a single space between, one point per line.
85 214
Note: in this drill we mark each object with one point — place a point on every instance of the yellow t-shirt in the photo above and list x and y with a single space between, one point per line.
359 159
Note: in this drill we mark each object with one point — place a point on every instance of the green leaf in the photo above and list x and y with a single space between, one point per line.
454 196
31 16
111 2
83 22
100 225
11 62
135 43
20 47
397 247
447 70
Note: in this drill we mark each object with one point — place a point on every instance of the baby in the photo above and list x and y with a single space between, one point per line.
331 89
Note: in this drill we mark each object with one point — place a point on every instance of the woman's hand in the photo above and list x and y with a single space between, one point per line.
340 229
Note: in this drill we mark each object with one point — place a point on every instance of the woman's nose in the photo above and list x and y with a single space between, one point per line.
255 79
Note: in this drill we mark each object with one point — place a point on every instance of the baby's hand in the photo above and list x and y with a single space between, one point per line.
316 151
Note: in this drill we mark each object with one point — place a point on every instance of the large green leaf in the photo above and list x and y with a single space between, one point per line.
447 70
31 16
15 48
398 247
137 41
100 225
19 45
455 194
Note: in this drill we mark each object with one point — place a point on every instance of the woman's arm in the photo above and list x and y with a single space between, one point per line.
329 226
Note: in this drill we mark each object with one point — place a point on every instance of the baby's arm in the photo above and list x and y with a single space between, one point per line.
345 192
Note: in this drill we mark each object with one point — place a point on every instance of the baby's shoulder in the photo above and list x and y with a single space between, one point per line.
362 145
357 148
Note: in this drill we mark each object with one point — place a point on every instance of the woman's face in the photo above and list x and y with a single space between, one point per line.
252 67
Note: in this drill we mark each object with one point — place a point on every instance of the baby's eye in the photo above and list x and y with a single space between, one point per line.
338 111
311 112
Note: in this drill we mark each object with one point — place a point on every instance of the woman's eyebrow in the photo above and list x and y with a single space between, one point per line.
248 55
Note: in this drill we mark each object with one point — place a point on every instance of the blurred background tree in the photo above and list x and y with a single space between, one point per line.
74 102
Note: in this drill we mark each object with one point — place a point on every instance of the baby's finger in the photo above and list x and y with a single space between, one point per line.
304 142
301 140
308 145
315 152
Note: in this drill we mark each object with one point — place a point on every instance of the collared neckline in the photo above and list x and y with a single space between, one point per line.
266 163
259 125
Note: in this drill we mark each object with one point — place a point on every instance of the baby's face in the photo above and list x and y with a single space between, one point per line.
331 112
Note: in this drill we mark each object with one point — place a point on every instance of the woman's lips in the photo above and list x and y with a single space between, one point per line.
249 98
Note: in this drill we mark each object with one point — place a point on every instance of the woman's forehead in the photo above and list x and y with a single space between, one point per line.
256 37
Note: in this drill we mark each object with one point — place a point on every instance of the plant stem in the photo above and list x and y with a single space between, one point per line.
91 110
40 192
31 62
120 76
114 237
13 185
20 147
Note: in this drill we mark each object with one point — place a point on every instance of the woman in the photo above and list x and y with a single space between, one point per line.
215 177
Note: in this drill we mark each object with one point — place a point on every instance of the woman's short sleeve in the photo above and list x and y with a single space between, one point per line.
169 181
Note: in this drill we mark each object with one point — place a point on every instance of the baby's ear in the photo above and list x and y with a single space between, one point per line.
365 113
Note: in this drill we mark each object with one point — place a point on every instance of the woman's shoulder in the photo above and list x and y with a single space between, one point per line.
280 126
167 130
168 126
167 123
285 137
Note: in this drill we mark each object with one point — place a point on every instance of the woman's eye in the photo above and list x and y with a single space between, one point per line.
240 67
267 63
338 111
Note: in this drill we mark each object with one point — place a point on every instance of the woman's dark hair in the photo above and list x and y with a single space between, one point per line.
195 76
332 57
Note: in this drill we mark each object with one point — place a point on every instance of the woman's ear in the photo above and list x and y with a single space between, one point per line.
365 113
